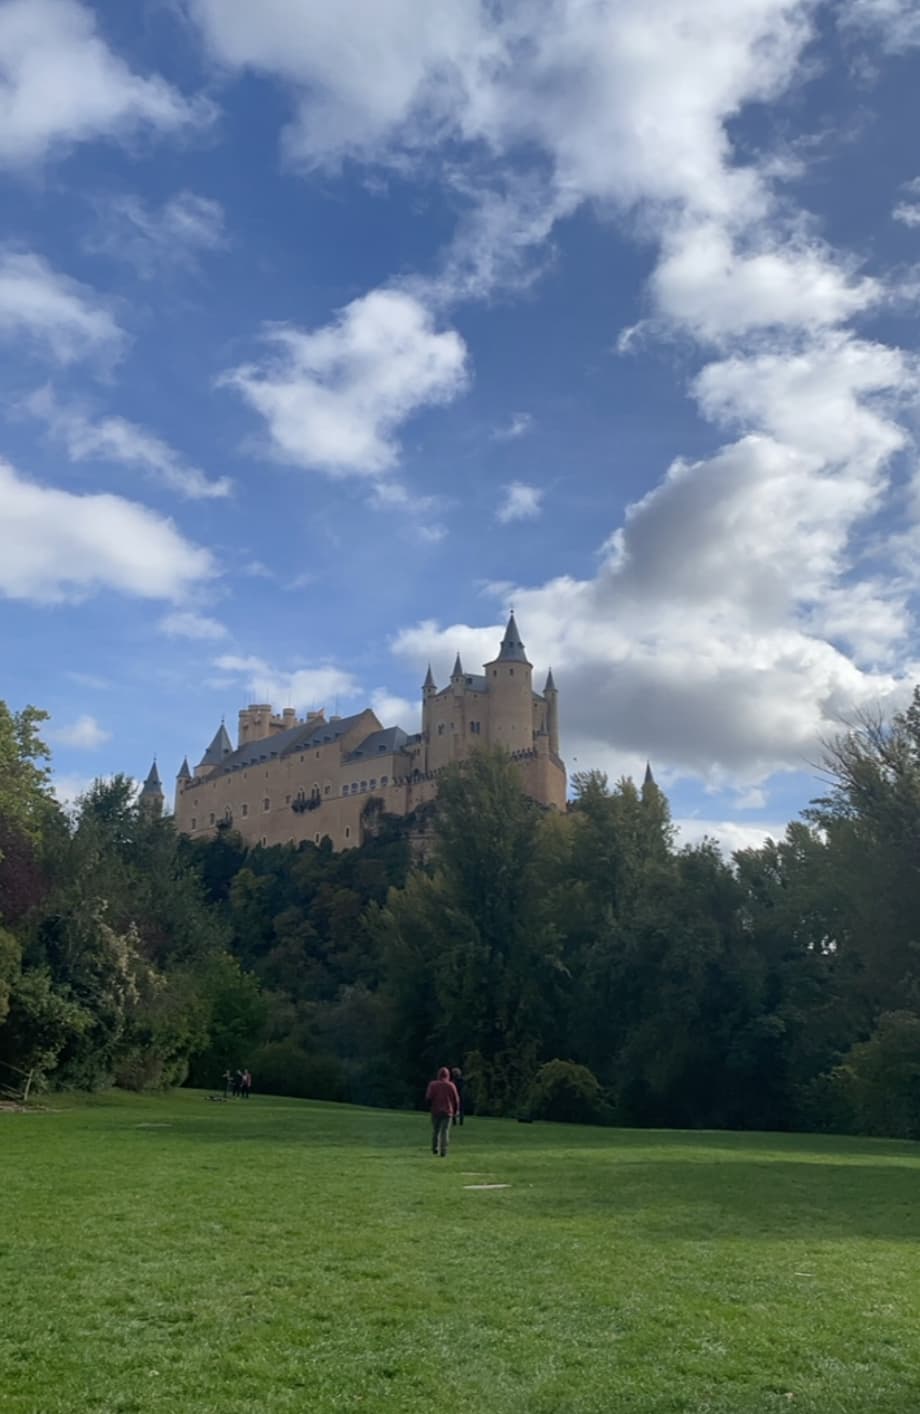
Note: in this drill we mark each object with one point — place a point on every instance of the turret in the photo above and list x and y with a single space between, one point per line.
220 747
183 776
151 798
509 678
456 677
552 712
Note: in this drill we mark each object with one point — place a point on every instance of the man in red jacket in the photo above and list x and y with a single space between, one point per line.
442 1096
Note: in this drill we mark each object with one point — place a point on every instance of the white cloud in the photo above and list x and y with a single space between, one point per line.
395 711
60 84
185 623
707 283
730 835
310 688
908 211
520 502
333 398
58 546
115 439
517 426
156 238
85 734
896 22
62 317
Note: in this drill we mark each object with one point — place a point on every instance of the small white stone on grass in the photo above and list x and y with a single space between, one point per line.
479 1186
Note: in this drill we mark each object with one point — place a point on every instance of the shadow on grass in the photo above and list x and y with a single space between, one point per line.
772 1199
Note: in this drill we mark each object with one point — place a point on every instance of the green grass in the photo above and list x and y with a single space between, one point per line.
283 1256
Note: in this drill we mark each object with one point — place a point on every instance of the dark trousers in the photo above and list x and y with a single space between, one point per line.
440 1134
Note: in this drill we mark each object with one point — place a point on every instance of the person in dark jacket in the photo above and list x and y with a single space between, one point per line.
456 1076
444 1102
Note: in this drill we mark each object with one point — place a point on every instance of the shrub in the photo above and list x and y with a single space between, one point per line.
283 1068
563 1090
880 1078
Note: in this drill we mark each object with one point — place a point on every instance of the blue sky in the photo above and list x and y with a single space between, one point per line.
327 333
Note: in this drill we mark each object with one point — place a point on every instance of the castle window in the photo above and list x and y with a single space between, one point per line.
384 780
363 787
495 672
511 671
327 790
317 755
264 841
440 728
211 818
344 790
287 800
475 728
244 809
194 823
348 832
354 787
373 785
316 838
266 804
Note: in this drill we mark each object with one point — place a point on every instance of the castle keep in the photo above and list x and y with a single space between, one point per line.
292 779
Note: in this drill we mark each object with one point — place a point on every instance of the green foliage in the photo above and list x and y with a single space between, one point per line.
879 1079
567 1092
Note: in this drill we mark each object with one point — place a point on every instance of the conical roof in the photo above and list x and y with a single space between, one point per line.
153 784
220 747
550 682
184 772
512 649
649 778
458 668
429 678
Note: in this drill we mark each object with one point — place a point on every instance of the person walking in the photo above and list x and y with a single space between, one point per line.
246 1085
444 1101
456 1076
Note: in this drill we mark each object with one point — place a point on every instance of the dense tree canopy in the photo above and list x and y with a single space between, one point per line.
578 965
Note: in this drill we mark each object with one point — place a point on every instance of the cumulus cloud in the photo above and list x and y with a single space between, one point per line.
395 711
115 439
185 623
51 312
85 734
334 398
58 546
152 238
311 688
520 502
61 84
730 835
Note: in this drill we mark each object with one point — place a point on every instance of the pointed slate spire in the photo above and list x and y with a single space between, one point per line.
153 781
512 649
184 772
649 778
429 684
458 669
550 683
220 747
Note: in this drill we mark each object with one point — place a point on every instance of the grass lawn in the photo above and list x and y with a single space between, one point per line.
175 1255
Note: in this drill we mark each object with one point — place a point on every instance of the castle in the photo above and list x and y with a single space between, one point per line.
290 779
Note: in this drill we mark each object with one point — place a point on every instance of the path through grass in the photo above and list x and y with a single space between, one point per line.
180 1257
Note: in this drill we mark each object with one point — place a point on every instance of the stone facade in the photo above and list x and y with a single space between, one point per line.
291 779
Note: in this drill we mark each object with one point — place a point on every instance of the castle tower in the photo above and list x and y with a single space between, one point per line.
510 684
151 798
552 712
456 677
220 747
183 777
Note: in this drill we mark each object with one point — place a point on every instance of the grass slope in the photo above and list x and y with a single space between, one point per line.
173 1255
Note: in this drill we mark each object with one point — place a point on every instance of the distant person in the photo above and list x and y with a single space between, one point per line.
228 1084
247 1084
237 1082
456 1076
444 1101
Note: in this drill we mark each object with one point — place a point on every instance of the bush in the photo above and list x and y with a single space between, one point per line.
565 1091
879 1080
